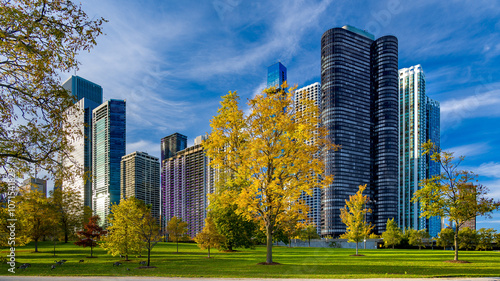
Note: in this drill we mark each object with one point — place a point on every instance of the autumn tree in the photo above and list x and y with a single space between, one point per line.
237 229
486 238
392 235
468 238
353 216
454 193
177 230
39 40
123 236
445 238
309 232
418 237
267 155
209 237
68 206
91 234
150 232
36 216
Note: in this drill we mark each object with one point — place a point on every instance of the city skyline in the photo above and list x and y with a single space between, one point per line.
179 77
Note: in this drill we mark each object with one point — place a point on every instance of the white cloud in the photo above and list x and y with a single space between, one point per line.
145 146
469 149
453 111
491 169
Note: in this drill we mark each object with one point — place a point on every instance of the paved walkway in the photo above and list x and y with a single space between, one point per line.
137 278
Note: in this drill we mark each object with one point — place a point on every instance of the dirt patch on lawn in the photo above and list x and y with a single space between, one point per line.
146 267
356 255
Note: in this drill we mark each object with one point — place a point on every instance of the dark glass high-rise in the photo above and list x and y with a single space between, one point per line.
359 108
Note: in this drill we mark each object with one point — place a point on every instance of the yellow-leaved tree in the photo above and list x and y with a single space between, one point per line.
124 237
269 155
209 237
353 216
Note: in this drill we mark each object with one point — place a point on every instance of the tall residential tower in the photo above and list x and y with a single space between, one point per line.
359 108
140 178
419 122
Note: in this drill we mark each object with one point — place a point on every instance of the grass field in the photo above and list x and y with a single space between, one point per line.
295 263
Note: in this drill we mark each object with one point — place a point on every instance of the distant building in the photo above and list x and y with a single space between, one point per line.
276 75
88 96
359 110
35 184
311 92
186 180
170 145
419 122
108 147
140 178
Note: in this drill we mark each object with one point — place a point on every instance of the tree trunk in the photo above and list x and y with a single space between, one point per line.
177 245
356 248
269 256
65 236
456 244
54 248
419 247
91 248
208 251
36 245
149 253
393 246
309 242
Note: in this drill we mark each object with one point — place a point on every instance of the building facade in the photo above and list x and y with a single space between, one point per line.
172 144
276 75
108 147
187 179
88 96
313 93
419 122
140 178
359 109
37 184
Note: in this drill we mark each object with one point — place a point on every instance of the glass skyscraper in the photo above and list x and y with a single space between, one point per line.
170 145
276 75
419 122
88 96
359 108
108 147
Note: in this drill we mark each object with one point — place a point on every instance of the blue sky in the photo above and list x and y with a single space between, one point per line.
172 60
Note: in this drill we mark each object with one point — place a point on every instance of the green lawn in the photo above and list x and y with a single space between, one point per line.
295 263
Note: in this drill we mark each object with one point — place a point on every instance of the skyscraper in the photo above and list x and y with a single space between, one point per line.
82 88
419 122
276 75
88 96
108 147
359 109
170 145
140 177
186 181
311 92
35 184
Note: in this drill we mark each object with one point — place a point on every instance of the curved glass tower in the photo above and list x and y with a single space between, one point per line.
359 108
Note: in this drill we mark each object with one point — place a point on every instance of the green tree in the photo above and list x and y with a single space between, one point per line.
36 216
468 238
177 230
68 206
445 238
123 236
392 235
353 216
209 237
235 227
39 40
91 235
150 231
486 238
453 193
418 237
267 155
309 232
